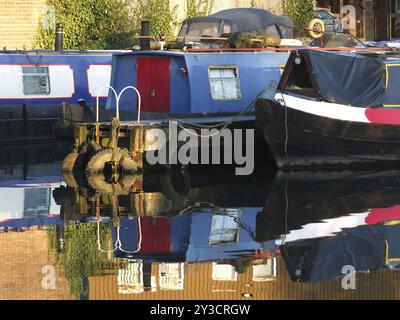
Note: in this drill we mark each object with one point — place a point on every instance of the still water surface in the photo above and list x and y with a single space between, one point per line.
202 233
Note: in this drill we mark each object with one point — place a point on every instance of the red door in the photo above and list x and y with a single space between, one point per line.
156 234
152 76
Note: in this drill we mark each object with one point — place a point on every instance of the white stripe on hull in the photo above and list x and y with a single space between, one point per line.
323 109
326 228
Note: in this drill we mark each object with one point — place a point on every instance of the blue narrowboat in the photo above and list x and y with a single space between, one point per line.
179 84
203 235
36 83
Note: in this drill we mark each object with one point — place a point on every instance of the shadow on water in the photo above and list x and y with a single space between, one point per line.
204 233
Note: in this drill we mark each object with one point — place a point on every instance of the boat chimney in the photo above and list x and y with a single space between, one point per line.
145 35
59 38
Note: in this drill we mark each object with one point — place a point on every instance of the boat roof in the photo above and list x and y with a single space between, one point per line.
61 53
364 79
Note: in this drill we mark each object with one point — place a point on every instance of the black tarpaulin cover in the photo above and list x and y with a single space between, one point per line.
323 259
250 20
347 78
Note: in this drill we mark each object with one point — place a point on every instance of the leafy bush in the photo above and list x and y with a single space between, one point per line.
81 258
301 11
88 24
198 8
162 18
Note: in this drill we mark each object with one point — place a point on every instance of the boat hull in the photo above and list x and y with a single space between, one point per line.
299 139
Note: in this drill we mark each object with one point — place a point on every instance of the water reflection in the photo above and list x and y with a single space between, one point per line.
200 234
327 221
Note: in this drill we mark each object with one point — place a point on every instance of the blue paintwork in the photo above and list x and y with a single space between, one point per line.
190 93
190 239
200 249
79 61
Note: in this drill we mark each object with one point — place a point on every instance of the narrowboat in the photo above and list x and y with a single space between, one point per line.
334 109
191 84
36 83
203 235
203 73
345 198
323 221
363 248
191 90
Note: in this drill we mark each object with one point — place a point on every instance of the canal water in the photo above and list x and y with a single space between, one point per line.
199 233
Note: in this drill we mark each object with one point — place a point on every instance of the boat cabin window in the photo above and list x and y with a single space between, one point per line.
223 272
224 83
224 228
130 279
171 276
183 31
37 201
199 30
226 28
299 80
265 272
36 80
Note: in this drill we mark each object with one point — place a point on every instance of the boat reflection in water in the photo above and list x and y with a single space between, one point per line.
327 222
203 234
180 222
247 238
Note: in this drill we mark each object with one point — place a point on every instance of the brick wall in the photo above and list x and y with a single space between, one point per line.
23 255
18 22
382 284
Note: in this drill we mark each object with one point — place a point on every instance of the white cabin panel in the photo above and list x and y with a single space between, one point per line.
19 81
98 77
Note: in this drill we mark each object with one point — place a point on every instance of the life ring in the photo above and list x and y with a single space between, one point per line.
316 28
175 184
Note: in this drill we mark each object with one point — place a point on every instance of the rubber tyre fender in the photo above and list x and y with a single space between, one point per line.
167 184
128 164
69 179
127 181
98 182
69 162
98 161
86 151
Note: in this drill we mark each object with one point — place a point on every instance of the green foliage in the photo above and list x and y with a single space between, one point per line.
81 257
88 24
163 20
198 8
301 11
